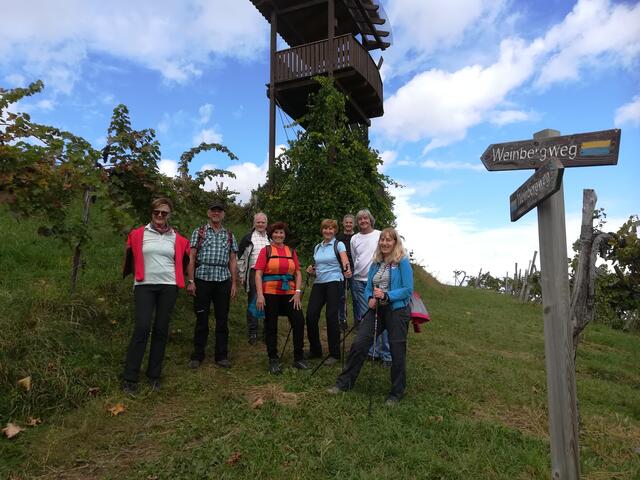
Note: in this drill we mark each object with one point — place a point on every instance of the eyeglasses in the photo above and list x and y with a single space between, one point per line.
161 213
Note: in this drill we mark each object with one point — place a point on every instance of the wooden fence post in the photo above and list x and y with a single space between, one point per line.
558 344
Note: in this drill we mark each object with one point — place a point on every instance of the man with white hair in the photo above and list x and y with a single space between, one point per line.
363 247
248 250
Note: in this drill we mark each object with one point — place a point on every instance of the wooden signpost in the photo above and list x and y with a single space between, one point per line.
540 186
579 150
550 153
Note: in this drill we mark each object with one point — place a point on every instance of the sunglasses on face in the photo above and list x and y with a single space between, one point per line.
161 213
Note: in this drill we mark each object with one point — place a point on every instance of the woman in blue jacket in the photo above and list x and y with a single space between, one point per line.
389 288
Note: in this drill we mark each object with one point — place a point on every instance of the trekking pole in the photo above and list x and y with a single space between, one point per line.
346 335
375 341
286 341
306 284
344 332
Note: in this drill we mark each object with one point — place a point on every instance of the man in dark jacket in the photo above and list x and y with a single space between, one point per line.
348 222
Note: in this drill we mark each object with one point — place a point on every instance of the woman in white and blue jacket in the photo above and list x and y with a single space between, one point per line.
389 289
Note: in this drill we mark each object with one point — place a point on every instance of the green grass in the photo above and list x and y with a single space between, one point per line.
475 405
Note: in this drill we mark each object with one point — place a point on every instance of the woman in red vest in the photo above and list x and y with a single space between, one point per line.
278 281
157 255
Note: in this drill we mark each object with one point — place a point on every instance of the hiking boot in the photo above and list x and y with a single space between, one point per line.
224 363
335 390
274 366
387 364
391 401
194 363
331 361
253 339
311 355
154 383
130 388
300 365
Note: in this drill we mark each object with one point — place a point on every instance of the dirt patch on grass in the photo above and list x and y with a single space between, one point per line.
532 422
259 394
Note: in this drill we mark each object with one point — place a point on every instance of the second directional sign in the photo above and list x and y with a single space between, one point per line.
579 150
538 187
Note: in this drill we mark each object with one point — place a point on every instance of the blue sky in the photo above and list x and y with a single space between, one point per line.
460 75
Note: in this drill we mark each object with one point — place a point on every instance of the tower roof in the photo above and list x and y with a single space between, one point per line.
300 21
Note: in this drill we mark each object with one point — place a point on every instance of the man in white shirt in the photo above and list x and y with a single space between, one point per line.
248 251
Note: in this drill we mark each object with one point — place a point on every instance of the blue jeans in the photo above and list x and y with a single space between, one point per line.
361 306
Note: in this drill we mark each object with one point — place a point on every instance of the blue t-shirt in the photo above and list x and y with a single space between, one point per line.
327 267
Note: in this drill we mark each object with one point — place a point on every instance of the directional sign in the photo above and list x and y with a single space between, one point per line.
579 150
538 187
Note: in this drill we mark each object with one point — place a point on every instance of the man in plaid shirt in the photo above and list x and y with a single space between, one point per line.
212 279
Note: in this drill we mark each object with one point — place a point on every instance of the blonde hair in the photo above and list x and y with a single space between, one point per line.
161 201
398 249
329 223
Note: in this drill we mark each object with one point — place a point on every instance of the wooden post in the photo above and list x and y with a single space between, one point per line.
272 97
561 382
524 296
331 21
331 61
77 252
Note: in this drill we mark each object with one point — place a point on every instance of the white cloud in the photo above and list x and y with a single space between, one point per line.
422 27
45 105
442 105
444 244
439 165
15 80
389 157
173 37
205 112
595 34
248 177
629 113
504 117
207 135
168 167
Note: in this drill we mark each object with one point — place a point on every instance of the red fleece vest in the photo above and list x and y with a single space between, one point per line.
134 248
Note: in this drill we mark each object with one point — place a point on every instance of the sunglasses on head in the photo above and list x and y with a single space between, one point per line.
161 213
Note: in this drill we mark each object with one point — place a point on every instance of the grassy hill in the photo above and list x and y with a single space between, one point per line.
475 405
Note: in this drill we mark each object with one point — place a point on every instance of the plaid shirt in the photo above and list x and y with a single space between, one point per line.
213 256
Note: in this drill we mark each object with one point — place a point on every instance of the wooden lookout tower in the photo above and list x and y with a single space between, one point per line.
326 37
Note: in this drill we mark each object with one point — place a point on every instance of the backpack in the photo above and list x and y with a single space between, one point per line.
419 313
269 256
335 251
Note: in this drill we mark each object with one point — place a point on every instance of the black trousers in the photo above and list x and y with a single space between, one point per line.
276 305
321 294
148 298
252 322
218 293
397 324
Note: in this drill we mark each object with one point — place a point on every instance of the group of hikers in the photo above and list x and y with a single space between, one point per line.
372 264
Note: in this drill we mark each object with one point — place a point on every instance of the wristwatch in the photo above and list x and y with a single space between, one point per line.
191 281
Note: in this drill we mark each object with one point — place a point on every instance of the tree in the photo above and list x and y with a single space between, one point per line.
43 170
608 296
190 198
130 158
328 170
